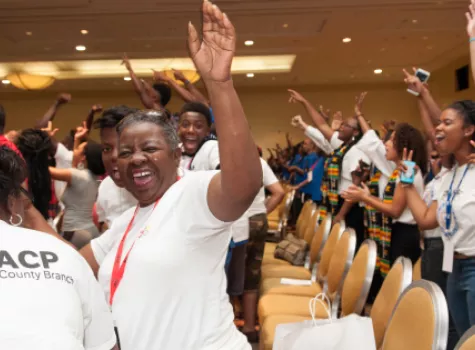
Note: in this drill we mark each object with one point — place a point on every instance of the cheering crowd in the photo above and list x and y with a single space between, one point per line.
153 238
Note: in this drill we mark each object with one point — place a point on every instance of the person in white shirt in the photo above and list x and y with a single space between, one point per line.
199 147
452 210
49 297
165 258
340 166
112 198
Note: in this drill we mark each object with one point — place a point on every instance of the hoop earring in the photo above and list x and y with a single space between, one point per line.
20 220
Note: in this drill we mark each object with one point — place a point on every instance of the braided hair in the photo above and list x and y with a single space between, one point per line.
35 146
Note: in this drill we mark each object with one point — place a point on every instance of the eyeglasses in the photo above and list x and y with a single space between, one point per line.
27 194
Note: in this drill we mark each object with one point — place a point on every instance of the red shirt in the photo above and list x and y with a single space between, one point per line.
6 142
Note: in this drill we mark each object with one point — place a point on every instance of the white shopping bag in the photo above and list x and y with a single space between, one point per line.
352 332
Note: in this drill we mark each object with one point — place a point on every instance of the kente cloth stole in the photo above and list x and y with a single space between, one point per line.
384 242
372 216
331 177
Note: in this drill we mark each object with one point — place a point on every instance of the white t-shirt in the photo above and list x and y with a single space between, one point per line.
406 216
207 158
268 178
112 201
431 189
463 208
64 160
173 293
49 298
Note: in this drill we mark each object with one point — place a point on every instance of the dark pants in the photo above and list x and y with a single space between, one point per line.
235 271
355 220
431 270
405 241
297 205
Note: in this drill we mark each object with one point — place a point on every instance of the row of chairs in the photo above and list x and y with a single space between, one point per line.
405 316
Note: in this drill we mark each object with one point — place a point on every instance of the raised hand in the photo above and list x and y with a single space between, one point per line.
337 121
295 97
325 114
471 19
296 121
81 132
160 76
178 74
126 62
214 54
49 129
359 103
471 156
63 98
96 108
413 82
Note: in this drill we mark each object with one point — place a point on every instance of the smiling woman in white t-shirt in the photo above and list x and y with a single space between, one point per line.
166 257
49 299
452 210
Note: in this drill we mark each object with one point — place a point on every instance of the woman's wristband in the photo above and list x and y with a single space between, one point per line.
471 40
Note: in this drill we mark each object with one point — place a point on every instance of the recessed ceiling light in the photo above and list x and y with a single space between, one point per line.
425 38
415 21
80 48
346 40
29 33
378 71
250 75
5 81
84 31
285 25
127 78
383 49
249 43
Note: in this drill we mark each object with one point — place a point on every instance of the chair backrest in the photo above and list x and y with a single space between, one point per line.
416 271
319 239
467 342
327 252
341 260
398 278
358 280
302 214
306 220
420 319
311 227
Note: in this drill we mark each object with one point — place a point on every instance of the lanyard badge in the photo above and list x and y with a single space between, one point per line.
450 231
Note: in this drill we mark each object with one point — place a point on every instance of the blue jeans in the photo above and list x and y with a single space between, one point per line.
461 294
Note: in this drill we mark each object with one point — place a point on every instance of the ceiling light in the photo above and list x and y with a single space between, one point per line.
29 33
6 82
249 43
250 75
378 71
84 31
346 40
425 38
127 78
285 25
414 21
80 48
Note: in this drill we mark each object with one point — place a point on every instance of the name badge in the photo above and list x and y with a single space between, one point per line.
448 261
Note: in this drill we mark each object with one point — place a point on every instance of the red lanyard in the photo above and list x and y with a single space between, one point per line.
118 269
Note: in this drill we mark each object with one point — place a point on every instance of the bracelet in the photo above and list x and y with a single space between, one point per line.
471 40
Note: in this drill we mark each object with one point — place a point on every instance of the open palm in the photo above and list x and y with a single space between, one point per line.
214 54
471 19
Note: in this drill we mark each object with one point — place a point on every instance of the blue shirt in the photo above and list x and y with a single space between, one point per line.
317 177
308 161
298 161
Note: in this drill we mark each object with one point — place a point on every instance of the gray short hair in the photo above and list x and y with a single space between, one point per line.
159 118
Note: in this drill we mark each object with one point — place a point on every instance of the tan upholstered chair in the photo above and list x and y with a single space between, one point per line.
467 342
278 218
420 320
274 286
277 304
275 309
358 280
416 271
328 250
398 278
303 214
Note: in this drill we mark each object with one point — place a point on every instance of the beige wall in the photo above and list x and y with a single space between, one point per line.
267 109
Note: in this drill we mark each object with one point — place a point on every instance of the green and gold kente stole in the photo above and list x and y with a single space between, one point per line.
384 242
373 217
331 177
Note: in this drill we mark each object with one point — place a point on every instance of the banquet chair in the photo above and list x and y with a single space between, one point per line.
420 320
416 271
467 342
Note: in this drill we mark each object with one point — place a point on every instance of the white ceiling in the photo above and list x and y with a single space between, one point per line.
386 34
